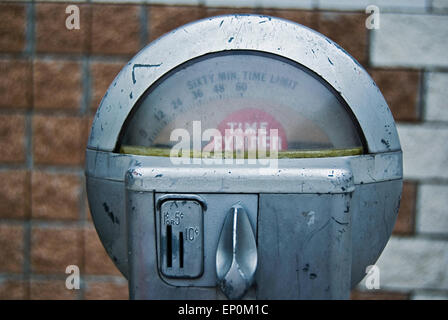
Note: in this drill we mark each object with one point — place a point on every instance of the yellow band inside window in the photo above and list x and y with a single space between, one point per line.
320 153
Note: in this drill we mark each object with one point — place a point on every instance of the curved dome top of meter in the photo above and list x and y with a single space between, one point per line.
238 101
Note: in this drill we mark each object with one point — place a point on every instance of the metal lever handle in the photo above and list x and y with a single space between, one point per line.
236 256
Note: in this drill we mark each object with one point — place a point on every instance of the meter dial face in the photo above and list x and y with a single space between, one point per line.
266 99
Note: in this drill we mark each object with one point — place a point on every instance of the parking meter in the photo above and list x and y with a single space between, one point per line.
243 157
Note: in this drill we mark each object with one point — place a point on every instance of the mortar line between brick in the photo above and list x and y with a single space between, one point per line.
49 224
13 166
46 168
29 113
31 46
29 29
106 278
10 276
148 22
77 170
27 223
86 60
422 92
85 85
83 225
441 237
414 213
81 292
143 25
29 139
442 291
62 276
430 124
12 222
57 112
432 181
82 201
417 206
24 55
72 57
54 112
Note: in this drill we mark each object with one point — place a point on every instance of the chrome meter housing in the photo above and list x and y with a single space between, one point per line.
194 228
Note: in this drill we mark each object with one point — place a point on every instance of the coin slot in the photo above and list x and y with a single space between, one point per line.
169 246
181 236
181 249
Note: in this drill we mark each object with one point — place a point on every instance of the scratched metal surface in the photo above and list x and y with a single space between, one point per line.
371 173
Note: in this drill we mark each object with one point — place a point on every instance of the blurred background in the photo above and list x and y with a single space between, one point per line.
52 80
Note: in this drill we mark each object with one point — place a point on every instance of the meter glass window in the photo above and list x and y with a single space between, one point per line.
247 92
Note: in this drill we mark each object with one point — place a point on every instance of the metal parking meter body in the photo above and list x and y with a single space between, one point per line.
302 221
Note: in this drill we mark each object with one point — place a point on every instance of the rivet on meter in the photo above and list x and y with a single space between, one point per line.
243 157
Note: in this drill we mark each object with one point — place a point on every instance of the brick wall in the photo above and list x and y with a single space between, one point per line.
52 80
